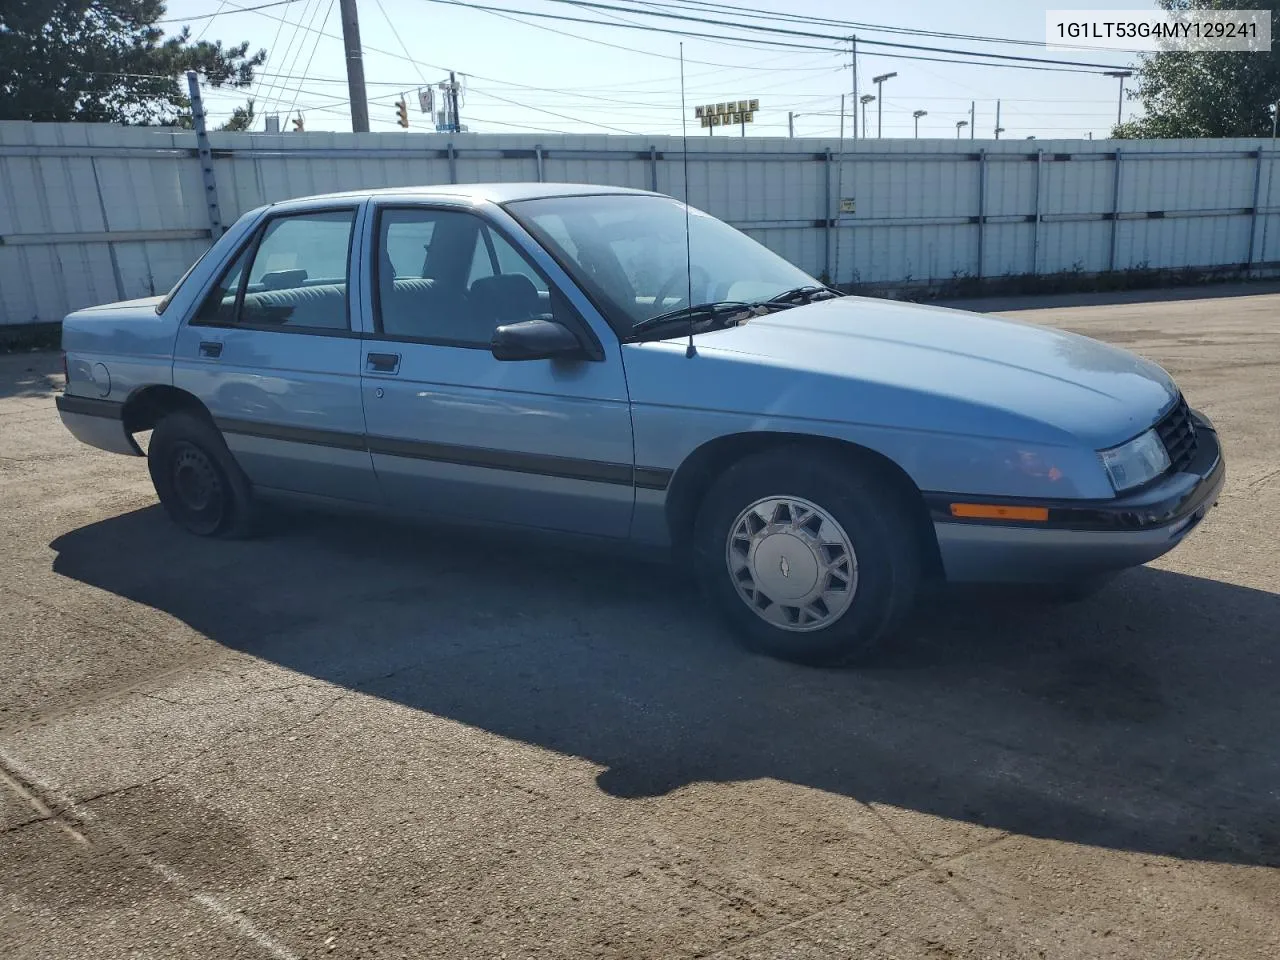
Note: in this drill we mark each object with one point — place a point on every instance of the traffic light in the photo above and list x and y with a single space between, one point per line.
297 124
402 113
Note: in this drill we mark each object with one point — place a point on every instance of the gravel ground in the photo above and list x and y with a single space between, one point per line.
361 739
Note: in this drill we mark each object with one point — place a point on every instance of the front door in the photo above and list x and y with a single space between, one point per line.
458 434
272 354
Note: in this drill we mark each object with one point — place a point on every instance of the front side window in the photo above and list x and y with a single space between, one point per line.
296 276
446 276
630 253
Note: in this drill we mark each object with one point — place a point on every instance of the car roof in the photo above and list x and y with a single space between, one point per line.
494 192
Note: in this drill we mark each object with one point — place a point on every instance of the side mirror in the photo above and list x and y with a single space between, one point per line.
541 338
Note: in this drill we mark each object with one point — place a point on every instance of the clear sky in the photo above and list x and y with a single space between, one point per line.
521 76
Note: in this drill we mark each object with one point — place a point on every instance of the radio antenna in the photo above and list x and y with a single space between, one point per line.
688 253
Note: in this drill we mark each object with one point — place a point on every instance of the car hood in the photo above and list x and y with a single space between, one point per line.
929 368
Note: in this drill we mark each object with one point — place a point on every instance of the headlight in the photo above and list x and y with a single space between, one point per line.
1134 463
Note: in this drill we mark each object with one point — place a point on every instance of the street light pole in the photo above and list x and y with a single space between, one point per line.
960 125
916 116
864 100
879 82
1120 75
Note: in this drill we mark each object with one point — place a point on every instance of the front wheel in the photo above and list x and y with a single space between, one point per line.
811 557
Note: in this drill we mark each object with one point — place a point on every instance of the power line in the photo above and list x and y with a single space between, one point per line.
1026 63
761 28
552 113
703 5
314 46
515 17
279 26
396 33
269 97
209 21
211 16
302 43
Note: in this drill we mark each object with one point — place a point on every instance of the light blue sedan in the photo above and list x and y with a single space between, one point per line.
610 364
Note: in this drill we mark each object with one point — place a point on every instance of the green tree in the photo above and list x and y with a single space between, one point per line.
241 119
107 61
1206 94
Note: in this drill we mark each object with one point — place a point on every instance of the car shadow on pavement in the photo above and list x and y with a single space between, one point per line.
1143 719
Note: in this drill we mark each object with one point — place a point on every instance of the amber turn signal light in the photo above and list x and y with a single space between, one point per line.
991 511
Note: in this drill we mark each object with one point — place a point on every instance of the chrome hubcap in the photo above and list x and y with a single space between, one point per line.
792 563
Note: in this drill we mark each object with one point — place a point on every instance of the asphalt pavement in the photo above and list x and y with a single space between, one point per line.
360 738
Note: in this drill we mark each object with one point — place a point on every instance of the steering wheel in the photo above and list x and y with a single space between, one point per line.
678 278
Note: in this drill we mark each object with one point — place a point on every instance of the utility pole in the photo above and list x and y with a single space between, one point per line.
879 82
1121 75
355 67
973 117
999 129
791 124
842 116
453 103
853 45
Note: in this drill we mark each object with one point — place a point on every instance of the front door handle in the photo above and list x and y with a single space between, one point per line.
211 349
382 362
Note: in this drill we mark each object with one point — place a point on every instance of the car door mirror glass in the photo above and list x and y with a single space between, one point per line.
541 338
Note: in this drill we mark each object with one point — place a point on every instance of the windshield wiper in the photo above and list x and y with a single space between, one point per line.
801 295
698 313
736 311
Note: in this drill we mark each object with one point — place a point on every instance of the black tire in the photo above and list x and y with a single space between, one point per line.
199 483
875 514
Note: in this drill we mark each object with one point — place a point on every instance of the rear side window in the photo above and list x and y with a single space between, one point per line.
293 275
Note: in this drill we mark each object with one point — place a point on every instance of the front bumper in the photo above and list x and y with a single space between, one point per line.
1084 538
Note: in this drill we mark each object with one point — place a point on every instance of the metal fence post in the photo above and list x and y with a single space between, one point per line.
1257 195
1035 225
206 157
1115 214
1266 219
537 152
826 170
653 168
453 164
982 210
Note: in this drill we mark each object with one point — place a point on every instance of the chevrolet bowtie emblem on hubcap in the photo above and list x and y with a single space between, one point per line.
785 566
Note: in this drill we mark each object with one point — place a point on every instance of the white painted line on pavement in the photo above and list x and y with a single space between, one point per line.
68 807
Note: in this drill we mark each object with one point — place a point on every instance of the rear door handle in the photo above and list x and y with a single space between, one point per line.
211 349
382 362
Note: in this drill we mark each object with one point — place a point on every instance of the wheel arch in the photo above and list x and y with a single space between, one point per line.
694 477
146 406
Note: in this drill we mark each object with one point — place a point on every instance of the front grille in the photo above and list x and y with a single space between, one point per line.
1178 432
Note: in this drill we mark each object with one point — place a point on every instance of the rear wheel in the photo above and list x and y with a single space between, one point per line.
198 482
810 557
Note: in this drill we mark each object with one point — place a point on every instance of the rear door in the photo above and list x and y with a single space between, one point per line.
272 354
461 435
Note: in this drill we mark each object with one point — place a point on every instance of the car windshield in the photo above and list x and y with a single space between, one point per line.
628 251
